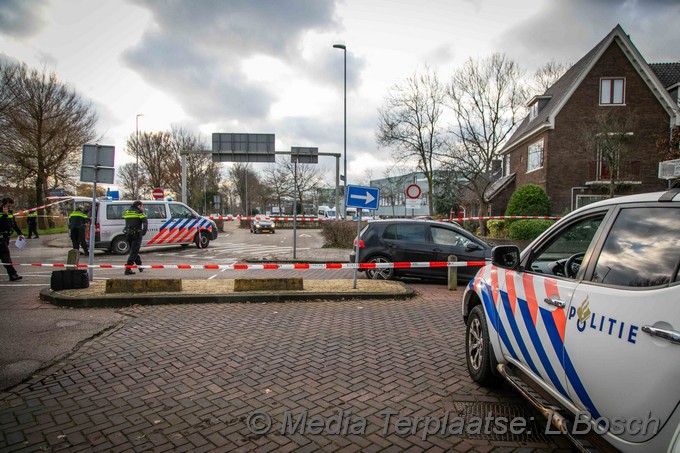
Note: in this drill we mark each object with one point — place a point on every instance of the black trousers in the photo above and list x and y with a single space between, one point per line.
78 239
32 228
135 244
5 256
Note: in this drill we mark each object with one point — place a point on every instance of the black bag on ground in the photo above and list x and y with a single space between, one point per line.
69 279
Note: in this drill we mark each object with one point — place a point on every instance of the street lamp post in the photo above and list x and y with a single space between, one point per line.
137 155
344 160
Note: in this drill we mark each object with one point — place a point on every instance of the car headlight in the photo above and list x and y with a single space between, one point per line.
273 225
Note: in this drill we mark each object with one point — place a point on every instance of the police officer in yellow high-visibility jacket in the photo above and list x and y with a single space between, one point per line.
8 224
32 222
77 222
136 225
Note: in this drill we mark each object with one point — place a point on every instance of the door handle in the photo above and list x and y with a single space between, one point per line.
670 335
555 302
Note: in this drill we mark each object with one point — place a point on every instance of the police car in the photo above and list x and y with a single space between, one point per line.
585 323
169 223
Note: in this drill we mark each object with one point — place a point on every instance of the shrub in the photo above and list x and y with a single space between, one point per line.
497 228
528 229
528 200
339 233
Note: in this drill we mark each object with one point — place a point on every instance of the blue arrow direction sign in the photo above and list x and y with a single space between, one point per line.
362 197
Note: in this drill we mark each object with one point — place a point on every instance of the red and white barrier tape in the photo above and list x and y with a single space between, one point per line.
457 219
42 207
266 266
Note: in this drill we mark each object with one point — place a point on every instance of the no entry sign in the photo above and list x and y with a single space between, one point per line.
413 191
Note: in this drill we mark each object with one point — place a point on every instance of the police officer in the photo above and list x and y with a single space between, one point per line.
8 224
77 222
32 221
136 225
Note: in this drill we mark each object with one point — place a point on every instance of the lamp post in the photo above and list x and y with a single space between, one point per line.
344 161
137 155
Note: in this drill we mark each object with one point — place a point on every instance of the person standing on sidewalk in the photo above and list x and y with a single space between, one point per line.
136 225
8 224
77 222
32 221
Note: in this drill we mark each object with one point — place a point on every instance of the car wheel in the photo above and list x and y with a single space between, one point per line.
380 274
120 246
480 359
204 238
273 231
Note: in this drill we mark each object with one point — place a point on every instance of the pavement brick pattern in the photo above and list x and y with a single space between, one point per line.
187 378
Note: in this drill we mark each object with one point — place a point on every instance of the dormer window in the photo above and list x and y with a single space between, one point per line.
536 104
533 112
612 91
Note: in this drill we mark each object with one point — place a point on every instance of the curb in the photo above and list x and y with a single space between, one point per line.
124 300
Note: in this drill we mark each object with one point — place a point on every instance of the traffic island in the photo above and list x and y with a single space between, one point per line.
222 291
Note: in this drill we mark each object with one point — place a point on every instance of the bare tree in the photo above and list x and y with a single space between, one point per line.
127 178
547 75
487 99
411 121
155 152
43 126
307 180
203 175
243 180
279 181
608 137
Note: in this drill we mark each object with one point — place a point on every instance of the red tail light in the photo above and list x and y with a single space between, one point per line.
361 243
97 229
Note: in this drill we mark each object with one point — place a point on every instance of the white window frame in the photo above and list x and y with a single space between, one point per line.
533 111
536 148
611 92
506 167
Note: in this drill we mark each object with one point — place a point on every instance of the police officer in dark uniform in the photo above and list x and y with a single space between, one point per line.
8 224
77 222
136 225
32 222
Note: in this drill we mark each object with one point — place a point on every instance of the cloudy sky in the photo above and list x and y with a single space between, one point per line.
268 66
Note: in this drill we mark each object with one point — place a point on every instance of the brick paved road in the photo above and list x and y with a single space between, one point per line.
186 378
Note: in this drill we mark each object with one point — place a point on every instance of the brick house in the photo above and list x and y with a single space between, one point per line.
548 149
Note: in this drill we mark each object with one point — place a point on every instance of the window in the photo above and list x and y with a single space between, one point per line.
405 232
642 248
533 111
154 210
506 170
115 211
178 211
570 243
612 91
535 156
444 236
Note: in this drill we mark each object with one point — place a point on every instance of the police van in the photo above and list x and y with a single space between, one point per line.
585 323
170 223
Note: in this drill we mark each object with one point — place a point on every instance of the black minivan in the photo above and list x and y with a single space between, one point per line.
404 240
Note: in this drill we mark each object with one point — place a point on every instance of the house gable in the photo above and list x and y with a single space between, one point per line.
560 113
560 92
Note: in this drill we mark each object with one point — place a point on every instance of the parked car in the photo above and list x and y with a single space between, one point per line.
384 241
585 323
262 226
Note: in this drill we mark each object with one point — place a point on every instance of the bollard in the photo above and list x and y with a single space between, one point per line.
453 274
73 257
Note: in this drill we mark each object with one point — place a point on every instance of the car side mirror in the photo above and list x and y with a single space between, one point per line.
471 247
505 256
